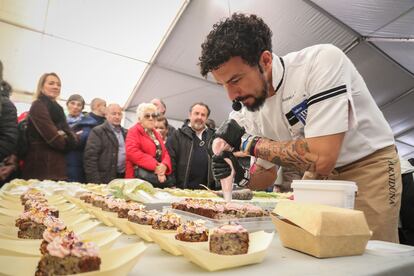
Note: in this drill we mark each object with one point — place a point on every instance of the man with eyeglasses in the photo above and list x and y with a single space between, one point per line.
188 150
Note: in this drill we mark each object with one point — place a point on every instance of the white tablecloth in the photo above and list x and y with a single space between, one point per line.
279 261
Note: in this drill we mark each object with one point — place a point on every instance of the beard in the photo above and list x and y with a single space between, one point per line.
197 125
258 100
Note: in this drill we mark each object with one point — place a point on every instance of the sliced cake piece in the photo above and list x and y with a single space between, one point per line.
67 255
229 239
167 221
143 217
128 206
31 224
192 231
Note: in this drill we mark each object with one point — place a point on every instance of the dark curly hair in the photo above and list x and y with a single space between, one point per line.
241 35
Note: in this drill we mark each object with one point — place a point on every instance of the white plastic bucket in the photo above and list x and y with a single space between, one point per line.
328 192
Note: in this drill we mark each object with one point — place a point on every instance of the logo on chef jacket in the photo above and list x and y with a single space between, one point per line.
300 111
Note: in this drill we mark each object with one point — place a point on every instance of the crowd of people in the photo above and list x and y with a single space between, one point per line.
309 113
94 148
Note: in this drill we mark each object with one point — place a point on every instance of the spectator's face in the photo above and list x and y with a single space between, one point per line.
198 117
102 108
148 118
75 108
243 82
51 87
114 115
160 127
159 106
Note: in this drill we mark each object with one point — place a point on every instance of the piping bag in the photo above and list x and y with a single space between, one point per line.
218 146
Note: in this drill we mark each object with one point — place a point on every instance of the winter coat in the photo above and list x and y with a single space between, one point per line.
8 124
180 148
101 154
74 158
140 151
47 148
8 134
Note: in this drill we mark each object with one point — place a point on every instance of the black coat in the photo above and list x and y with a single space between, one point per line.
45 158
180 145
101 154
8 127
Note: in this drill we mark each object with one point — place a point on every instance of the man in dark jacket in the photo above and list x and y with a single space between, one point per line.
104 158
188 150
74 159
8 132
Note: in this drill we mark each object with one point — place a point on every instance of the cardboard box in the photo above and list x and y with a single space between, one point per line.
321 231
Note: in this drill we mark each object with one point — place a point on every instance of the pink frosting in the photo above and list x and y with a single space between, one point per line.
171 217
81 249
58 248
50 234
251 207
234 206
230 228
134 206
114 202
69 244
195 227
52 222
33 215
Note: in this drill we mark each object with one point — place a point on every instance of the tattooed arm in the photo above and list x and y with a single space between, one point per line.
262 178
318 154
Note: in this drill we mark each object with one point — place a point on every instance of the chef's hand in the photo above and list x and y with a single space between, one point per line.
221 169
231 132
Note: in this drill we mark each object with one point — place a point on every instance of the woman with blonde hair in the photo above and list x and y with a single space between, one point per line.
146 155
48 133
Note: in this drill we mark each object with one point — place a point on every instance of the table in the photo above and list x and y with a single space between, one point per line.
279 261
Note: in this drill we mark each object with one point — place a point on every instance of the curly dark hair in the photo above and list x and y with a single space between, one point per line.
241 35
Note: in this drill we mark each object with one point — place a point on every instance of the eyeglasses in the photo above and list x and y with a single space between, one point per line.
153 115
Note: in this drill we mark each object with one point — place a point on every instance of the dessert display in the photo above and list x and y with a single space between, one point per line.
218 210
192 231
229 239
68 255
143 216
36 217
167 221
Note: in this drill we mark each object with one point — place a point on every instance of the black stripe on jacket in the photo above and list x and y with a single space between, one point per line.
327 94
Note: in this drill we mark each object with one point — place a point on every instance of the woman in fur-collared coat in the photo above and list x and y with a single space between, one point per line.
48 133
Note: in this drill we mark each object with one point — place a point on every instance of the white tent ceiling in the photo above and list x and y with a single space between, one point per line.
98 48
143 49
377 35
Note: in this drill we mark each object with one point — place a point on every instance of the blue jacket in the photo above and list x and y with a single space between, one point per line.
74 159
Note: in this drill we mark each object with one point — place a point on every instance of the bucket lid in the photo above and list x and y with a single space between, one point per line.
325 185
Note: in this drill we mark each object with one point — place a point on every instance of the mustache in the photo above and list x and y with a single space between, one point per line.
240 99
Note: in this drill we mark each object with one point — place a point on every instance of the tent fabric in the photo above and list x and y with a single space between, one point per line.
135 50
386 62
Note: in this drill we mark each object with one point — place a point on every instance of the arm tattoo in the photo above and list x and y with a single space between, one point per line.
291 153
